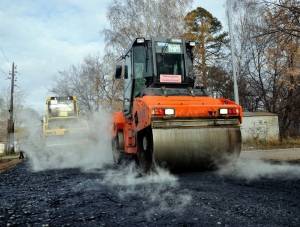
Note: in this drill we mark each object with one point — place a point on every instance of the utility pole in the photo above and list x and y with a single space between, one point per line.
235 87
10 140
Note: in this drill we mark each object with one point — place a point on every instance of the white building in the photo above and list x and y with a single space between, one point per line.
260 125
2 146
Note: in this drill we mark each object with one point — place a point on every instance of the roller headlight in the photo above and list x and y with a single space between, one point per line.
163 111
228 111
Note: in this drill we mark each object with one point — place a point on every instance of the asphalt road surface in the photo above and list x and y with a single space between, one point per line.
251 192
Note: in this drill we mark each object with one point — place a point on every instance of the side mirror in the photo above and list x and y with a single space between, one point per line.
118 71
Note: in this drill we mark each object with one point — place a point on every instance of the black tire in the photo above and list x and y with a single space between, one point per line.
145 149
116 150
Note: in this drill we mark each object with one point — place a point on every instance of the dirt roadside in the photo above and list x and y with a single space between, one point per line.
7 162
275 155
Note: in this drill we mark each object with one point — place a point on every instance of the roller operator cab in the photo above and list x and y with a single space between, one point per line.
62 125
165 120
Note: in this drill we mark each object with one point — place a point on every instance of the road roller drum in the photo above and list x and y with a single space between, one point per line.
195 148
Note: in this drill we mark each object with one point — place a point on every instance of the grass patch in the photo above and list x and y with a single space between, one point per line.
13 154
257 144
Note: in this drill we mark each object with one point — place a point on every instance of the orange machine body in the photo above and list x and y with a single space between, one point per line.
185 108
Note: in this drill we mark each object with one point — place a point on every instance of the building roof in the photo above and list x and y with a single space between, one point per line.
258 114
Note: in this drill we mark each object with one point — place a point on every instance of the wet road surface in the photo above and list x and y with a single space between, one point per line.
248 194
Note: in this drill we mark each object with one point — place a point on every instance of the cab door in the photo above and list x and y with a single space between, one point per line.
128 81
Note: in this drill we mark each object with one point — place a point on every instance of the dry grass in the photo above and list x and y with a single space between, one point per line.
13 154
273 144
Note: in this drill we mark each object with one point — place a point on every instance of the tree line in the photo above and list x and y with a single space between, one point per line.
266 36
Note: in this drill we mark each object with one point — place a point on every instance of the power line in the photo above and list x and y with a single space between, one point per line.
4 54
6 60
3 72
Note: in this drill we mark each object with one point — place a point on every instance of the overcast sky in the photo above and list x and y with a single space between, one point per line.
43 37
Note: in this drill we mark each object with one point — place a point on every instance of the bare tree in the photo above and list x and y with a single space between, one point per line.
268 58
142 18
92 82
255 79
284 16
220 82
3 118
283 28
20 117
244 13
19 102
30 123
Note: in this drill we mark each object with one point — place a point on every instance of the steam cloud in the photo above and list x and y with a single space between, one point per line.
155 190
93 155
256 168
